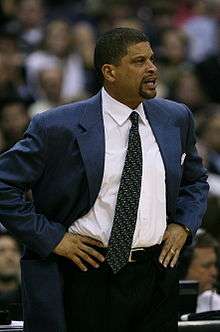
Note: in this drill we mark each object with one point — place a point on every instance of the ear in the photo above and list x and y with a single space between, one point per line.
108 72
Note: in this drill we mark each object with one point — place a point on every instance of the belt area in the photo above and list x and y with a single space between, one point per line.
137 254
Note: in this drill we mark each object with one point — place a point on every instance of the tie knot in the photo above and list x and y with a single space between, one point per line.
134 118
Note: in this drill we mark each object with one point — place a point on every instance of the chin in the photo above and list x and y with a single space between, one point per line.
148 94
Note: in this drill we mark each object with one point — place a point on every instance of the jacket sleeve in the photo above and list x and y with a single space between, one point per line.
20 168
192 199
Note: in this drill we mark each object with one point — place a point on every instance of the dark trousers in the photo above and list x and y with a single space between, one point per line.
142 297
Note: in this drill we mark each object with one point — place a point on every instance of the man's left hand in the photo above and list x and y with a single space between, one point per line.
174 239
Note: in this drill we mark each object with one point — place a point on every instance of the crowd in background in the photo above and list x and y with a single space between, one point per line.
46 59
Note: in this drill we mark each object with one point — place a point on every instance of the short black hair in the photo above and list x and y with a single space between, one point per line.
113 45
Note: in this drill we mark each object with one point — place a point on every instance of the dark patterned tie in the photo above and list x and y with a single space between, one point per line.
127 201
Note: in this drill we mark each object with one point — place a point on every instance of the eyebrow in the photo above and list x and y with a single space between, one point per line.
142 55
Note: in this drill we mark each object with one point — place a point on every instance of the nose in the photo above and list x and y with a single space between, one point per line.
151 67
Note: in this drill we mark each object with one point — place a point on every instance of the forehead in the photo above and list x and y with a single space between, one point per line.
204 254
142 48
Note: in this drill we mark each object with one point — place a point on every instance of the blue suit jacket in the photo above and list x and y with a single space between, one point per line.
61 158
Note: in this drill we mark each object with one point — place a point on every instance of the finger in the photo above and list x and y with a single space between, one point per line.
91 241
88 259
175 258
92 252
166 248
167 259
77 261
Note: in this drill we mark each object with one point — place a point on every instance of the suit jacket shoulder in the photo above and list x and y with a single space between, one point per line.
176 112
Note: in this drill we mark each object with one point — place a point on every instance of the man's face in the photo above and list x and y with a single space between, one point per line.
203 268
9 258
134 77
14 120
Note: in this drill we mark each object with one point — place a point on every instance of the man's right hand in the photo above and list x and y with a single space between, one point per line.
80 249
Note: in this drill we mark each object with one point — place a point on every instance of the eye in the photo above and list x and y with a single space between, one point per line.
140 60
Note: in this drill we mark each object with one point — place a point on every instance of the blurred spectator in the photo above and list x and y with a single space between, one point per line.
14 120
163 12
208 73
183 12
202 30
120 13
199 262
84 39
29 24
172 57
12 77
210 138
161 19
209 149
59 50
8 10
10 294
174 45
50 83
187 90
211 222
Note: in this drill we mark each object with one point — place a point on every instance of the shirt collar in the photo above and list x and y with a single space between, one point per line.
118 111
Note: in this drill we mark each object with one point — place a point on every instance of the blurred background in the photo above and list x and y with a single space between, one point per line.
46 59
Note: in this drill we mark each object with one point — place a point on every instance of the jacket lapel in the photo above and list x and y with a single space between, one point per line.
90 137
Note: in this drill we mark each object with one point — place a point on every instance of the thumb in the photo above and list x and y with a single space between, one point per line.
165 236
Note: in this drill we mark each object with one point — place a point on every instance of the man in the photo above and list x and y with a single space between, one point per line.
200 261
10 295
9 265
14 120
119 171
50 80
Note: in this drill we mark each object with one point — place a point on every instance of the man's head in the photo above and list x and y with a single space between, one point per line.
14 119
59 38
30 13
202 263
124 61
9 259
51 83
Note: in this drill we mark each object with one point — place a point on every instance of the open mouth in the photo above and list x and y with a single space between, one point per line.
151 83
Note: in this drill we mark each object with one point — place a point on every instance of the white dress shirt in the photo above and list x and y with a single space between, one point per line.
151 217
208 301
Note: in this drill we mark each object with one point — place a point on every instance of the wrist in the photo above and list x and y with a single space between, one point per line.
187 230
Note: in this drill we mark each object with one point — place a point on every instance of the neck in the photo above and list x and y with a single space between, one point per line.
131 103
